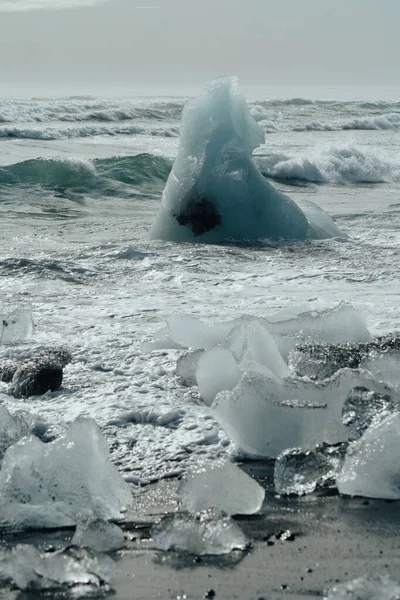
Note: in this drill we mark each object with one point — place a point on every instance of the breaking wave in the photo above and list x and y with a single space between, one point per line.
52 133
388 121
334 164
78 110
96 176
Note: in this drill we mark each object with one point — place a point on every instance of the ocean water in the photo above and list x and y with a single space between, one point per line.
80 184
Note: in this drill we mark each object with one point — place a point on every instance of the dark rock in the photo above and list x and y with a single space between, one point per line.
38 374
7 370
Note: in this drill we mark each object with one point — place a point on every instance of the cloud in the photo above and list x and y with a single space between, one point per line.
26 5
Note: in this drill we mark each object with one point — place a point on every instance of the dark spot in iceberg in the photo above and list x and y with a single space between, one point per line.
200 215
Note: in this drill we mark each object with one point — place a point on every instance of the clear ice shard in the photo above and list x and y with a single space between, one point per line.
265 415
57 484
301 472
251 342
12 429
339 325
79 573
385 366
216 192
186 366
372 464
99 535
15 324
207 533
223 486
221 367
190 332
216 371
364 588
363 405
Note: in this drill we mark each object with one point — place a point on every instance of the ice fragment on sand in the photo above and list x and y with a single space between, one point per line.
15 325
78 572
363 405
216 370
12 429
264 415
372 464
99 535
216 191
223 486
206 534
300 471
377 588
57 484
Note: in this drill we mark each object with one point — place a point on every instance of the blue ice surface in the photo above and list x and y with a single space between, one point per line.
216 192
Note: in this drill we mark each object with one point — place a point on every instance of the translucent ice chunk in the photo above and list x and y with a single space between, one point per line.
192 333
161 340
57 484
205 534
372 463
12 429
223 486
186 366
264 415
216 191
300 471
216 370
342 324
377 588
385 366
15 324
79 572
250 341
363 405
99 535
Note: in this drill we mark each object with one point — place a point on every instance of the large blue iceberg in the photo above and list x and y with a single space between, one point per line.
216 192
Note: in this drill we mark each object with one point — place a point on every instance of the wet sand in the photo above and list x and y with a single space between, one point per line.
300 546
331 539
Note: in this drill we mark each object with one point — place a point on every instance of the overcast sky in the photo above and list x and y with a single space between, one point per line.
144 44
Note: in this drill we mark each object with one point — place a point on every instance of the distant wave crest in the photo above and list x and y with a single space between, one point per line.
388 121
335 164
52 133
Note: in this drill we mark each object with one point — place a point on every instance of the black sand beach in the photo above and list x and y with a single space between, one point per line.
300 547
